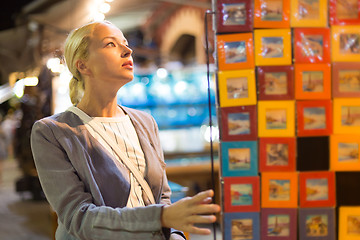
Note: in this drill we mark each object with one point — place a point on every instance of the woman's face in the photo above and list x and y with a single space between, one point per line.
109 57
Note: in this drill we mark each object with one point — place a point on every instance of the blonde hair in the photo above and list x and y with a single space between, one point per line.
77 47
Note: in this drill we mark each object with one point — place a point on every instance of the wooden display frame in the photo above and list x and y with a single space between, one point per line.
275 82
312 45
317 189
306 87
334 9
283 187
237 88
259 22
265 54
249 185
345 43
278 165
276 118
235 51
344 153
288 222
238 123
234 22
311 17
311 120
317 223
344 79
239 158
346 115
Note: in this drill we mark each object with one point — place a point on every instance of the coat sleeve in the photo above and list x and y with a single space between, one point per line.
74 206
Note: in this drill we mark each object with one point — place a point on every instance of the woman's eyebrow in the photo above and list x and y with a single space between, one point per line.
114 38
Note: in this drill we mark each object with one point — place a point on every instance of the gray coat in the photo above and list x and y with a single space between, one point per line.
86 189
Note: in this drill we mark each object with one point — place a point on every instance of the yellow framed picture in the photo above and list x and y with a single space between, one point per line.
309 13
349 217
346 115
237 88
345 43
272 47
276 118
344 152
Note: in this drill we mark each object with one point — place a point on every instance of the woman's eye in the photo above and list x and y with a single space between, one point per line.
110 44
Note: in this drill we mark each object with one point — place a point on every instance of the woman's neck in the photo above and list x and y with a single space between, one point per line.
99 106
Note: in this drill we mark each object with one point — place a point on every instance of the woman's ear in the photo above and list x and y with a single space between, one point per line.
82 68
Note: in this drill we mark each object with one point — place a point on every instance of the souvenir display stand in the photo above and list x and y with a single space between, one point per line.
288 104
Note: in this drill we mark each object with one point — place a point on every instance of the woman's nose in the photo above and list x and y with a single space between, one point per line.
127 51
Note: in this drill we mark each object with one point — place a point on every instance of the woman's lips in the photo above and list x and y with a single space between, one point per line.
128 64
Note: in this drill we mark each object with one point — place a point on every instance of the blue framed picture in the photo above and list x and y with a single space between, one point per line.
317 223
242 225
239 158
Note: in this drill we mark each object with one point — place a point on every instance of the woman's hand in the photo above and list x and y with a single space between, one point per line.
185 213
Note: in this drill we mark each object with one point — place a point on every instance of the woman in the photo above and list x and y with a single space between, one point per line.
90 187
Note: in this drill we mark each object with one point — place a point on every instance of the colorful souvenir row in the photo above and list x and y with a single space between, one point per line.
288 223
245 15
277 47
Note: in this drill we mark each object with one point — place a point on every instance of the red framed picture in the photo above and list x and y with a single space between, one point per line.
312 45
277 154
346 79
275 82
317 189
312 81
239 123
278 223
344 12
234 16
242 194
314 118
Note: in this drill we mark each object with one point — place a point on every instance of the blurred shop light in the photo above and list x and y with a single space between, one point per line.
19 88
54 64
31 81
6 92
104 8
109 1
162 73
180 88
98 16
205 129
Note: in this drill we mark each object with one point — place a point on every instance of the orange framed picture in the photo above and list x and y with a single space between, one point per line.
276 118
346 115
312 81
279 190
344 152
317 189
314 118
309 13
235 51
312 45
345 43
237 88
349 216
277 154
345 79
271 14
344 12
272 47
